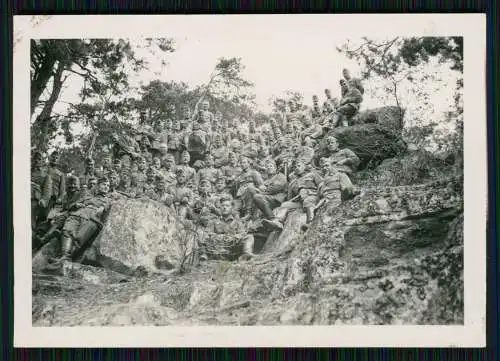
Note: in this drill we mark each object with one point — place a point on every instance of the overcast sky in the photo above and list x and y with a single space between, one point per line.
279 53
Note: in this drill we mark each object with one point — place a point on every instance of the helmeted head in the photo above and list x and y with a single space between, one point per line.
54 158
226 205
73 184
114 179
328 93
91 183
156 163
300 167
245 163
344 85
185 157
232 158
346 74
103 185
176 125
332 144
220 183
205 105
169 161
209 161
181 176
271 168
89 165
141 164
205 186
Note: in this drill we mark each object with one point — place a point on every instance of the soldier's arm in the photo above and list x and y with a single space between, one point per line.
279 185
62 186
346 184
46 189
257 179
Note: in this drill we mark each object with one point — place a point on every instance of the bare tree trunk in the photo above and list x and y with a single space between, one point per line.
40 78
44 117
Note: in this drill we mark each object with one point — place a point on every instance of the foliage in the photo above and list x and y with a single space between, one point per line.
408 71
103 64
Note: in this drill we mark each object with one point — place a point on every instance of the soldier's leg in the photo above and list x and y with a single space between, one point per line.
247 243
69 232
264 204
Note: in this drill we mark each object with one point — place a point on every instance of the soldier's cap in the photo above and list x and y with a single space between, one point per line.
103 180
198 164
73 179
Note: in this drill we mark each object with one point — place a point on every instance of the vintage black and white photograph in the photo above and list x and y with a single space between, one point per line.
248 176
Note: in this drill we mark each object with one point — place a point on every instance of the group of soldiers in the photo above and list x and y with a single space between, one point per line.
213 173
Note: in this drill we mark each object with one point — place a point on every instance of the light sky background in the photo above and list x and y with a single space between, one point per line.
278 56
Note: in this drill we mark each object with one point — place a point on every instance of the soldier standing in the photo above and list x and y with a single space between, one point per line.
41 190
58 182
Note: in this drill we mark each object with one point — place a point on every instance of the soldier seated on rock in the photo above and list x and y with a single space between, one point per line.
355 82
84 221
335 186
72 196
302 188
348 106
189 172
232 170
219 151
345 160
247 181
227 237
125 187
91 186
271 194
149 185
168 170
207 171
163 193
205 203
184 196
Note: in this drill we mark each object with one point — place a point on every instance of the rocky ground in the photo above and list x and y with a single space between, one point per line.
392 255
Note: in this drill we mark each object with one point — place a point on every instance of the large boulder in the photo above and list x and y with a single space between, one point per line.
391 255
143 232
371 142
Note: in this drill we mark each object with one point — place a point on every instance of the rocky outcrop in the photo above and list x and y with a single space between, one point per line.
392 255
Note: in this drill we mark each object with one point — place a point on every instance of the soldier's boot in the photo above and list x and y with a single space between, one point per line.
248 244
310 216
66 248
270 219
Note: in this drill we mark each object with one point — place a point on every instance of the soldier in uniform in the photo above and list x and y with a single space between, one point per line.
41 190
335 187
162 192
204 204
304 188
219 151
348 106
58 182
117 165
355 82
345 160
91 186
330 103
198 143
72 196
156 164
271 195
186 118
189 172
138 178
84 221
106 165
168 170
176 141
125 188
149 186
90 171
251 149
227 237
114 182
183 195
311 129
316 111
208 171
244 184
